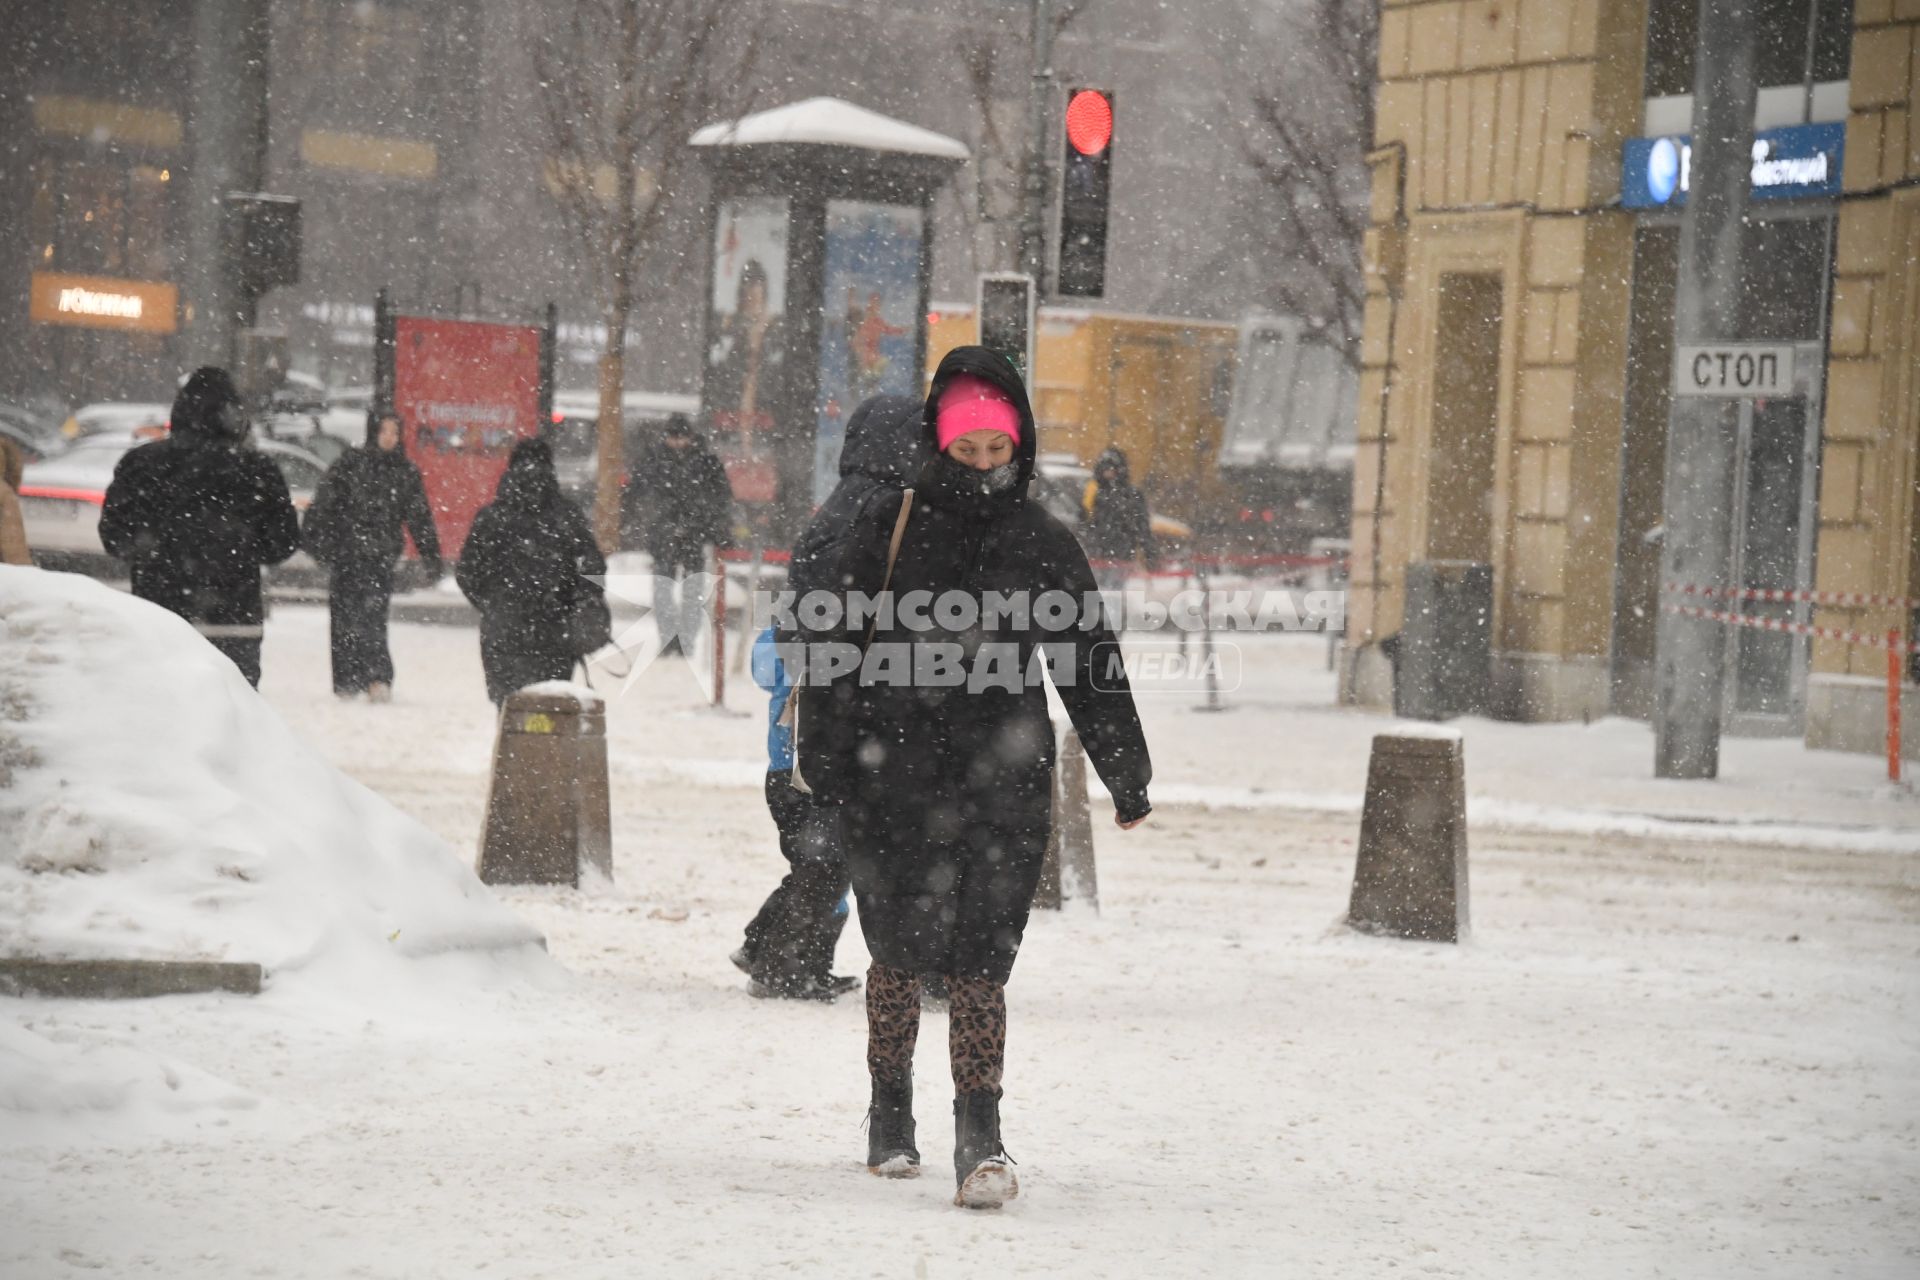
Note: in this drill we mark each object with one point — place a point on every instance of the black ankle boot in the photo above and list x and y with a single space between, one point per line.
890 1149
980 1173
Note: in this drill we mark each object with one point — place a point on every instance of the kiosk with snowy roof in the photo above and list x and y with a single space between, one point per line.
820 278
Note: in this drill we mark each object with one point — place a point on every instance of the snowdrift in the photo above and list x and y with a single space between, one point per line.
153 806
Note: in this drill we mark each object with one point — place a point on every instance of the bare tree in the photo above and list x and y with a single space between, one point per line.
989 206
1312 125
623 84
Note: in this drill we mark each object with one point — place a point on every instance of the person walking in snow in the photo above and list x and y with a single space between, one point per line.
1118 530
197 515
796 931
788 951
946 788
524 567
682 489
13 526
371 499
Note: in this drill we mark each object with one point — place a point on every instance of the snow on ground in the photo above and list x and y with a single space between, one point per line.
1657 1055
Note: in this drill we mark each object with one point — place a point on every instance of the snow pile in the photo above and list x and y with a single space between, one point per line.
153 806
61 1090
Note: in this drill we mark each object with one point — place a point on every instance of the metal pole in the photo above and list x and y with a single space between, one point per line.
1033 205
227 122
1703 433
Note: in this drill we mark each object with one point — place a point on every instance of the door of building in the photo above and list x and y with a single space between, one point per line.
1774 520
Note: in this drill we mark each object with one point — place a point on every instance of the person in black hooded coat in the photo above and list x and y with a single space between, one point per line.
197 515
946 789
1119 527
371 498
789 944
524 566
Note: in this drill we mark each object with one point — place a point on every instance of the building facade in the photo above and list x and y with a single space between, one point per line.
1529 170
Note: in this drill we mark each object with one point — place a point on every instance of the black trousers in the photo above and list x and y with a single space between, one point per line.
357 606
244 653
794 935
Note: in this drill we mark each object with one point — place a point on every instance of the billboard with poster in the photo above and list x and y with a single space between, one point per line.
466 393
870 322
747 390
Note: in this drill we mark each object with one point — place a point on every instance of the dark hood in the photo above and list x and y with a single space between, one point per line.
997 369
1117 460
200 400
529 481
884 440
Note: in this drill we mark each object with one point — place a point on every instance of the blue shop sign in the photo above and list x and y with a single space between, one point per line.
1788 164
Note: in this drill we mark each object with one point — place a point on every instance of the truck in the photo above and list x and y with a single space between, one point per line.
1156 387
1286 459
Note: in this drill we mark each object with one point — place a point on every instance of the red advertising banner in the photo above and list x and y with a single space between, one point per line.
466 392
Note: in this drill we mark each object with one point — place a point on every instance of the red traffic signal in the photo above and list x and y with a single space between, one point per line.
1089 122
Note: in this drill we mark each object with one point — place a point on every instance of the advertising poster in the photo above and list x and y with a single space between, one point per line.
466 393
746 393
871 323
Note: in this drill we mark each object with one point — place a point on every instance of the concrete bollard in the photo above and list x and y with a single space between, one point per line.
548 807
1410 879
1068 871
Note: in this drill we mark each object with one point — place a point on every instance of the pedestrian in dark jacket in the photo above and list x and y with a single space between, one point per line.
371 499
789 944
1118 529
197 515
681 488
788 951
884 448
522 566
946 786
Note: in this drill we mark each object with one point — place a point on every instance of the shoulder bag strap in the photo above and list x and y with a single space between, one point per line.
893 554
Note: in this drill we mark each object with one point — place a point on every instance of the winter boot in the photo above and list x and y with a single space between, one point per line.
890 1149
980 1172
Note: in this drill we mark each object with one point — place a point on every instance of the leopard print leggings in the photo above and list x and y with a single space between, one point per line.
976 1036
893 1023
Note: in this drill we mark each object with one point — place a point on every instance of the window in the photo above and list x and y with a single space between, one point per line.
1797 42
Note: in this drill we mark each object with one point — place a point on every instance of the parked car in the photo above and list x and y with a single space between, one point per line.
61 498
37 437
109 417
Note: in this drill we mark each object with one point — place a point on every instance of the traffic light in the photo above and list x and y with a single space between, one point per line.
1085 179
1006 319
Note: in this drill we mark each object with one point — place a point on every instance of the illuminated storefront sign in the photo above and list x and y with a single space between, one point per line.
102 302
1792 163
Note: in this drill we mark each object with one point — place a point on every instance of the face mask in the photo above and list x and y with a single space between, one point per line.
1000 479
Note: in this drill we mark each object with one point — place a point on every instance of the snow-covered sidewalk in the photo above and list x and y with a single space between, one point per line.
1669 1049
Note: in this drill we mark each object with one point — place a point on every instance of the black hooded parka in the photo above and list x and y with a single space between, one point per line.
197 515
521 567
947 788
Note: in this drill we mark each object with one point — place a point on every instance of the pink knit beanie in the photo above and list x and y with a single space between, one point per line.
972 403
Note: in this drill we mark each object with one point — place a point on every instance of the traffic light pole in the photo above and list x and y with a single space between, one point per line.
1703 433
227 124
1033 205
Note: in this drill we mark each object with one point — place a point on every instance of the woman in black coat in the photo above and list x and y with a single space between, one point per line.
371 499
946 786
523 566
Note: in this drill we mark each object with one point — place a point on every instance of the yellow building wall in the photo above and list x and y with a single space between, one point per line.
1153 386
1497 145
1868 536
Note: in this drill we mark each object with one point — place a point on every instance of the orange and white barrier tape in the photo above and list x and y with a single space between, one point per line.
1866 638
1832 599
1891 642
